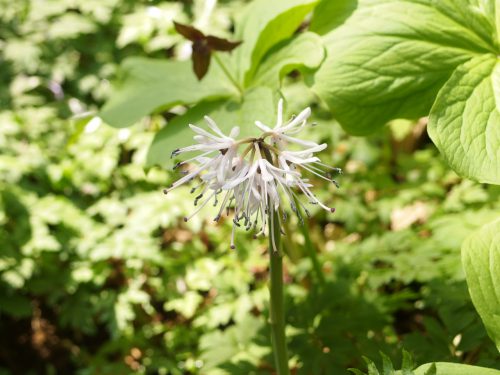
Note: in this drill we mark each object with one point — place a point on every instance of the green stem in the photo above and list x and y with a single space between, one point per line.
278 337
227 73
311 251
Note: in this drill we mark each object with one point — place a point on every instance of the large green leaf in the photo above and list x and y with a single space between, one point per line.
261 26
257 104
481 260
465 120
330 14
149 84
443 368
305 52
390 58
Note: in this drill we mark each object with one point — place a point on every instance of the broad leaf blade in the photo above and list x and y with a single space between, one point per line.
306 52
149 84
264 24
390 58
481 260
219 44
465 120
329 15
257 104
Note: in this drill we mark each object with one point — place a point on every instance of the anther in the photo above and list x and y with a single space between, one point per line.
165 191
185 219
174 153
332 210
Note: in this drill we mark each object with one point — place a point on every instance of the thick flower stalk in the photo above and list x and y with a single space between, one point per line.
258 177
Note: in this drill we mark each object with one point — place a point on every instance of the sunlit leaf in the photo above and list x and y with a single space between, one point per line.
481 260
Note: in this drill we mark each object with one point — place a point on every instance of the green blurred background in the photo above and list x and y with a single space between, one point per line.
100 275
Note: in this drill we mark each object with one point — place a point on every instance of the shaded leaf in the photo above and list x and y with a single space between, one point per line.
149 84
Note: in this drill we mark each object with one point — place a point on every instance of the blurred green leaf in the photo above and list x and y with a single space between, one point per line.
454 369
148 85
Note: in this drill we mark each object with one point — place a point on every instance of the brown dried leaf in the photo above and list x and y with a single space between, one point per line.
219 44
201 58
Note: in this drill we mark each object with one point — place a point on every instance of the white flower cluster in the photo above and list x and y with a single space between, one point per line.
255 176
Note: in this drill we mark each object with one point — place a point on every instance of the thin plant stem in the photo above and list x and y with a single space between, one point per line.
227 73
277 310
311 251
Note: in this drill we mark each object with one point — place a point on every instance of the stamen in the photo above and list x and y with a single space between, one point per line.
258 180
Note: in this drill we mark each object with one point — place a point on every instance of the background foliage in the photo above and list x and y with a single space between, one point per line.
100 275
